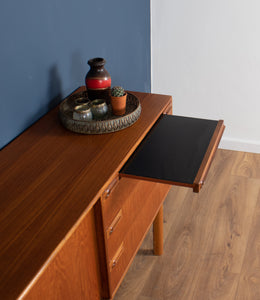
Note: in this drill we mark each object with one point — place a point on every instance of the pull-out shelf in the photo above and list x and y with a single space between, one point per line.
177 150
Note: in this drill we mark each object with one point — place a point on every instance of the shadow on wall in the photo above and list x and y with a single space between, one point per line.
55 88
78 69
54 93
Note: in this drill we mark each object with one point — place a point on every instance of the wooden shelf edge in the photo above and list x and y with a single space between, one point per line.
208 157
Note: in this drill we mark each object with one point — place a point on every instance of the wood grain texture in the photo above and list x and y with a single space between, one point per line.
78 256
49 179
212 239
248 165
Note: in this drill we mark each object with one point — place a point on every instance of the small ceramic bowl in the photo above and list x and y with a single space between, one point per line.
81 100
99 108
82 112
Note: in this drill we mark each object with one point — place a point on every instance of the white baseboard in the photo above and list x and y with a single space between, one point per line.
240 145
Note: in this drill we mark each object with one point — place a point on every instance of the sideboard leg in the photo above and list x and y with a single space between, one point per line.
158 233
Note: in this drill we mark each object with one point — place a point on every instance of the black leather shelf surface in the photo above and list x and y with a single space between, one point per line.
172 151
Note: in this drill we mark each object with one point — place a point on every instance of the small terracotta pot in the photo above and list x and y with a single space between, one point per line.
118 105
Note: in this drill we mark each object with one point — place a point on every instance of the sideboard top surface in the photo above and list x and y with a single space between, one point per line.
49 179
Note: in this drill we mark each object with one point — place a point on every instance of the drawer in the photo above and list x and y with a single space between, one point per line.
177 150
125 204
112 202
139 211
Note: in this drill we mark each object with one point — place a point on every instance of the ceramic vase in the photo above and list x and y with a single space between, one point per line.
98 80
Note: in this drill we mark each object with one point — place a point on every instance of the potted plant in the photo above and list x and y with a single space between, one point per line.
118 100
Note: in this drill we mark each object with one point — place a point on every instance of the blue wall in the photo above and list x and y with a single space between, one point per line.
45 46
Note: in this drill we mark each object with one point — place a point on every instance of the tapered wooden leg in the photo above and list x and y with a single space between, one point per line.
158 233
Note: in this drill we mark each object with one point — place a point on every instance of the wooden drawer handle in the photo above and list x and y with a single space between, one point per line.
113 225
116 257
110 188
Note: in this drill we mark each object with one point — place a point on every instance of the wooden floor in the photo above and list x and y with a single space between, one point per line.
211 239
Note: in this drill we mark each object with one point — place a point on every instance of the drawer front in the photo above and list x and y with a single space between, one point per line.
135 204
113 199
125 203
109 230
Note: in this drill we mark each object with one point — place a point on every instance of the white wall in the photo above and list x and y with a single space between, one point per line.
206 54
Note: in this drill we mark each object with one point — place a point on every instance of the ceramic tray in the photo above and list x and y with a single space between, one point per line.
110 123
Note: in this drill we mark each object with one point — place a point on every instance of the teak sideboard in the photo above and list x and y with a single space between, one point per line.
74 209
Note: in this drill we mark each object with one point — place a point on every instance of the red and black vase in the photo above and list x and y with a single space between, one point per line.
98 80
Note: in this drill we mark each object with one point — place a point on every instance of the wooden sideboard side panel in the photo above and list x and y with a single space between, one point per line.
74 273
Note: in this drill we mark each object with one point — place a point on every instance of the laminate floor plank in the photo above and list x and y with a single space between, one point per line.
247 165
227 242
211 239
249 283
